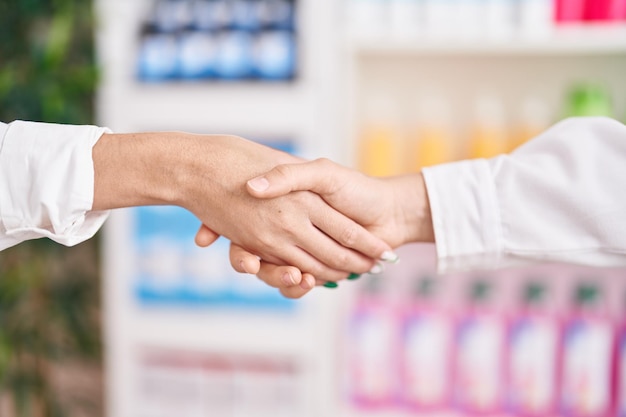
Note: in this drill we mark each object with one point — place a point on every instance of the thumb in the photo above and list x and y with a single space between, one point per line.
317 176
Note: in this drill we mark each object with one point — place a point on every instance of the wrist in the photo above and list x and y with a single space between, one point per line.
413 207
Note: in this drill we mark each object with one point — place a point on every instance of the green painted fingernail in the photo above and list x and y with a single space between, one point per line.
353 276
331 284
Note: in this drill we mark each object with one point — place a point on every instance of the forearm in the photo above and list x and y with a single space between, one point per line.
140 169
559 197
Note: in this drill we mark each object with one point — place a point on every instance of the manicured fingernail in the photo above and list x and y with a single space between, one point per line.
242 265
389 256
331 284
354 276
377 269
259 184
288 279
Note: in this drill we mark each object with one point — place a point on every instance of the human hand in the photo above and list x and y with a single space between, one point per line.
395 208
298 227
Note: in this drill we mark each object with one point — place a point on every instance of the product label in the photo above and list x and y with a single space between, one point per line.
426 354
372 355
587 368
479 358
622 378
533 361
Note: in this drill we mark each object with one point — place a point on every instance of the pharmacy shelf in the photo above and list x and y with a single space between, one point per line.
278 109
574 40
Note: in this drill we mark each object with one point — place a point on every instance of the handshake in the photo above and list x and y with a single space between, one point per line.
293 223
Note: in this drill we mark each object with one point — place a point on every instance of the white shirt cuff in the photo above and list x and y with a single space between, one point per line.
466 218
47 183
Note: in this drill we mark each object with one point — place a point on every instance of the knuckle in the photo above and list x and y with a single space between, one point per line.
343 259
283 171
317 270
349 236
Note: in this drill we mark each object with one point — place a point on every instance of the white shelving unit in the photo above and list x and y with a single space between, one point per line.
305 112
322 112
408 70
405 70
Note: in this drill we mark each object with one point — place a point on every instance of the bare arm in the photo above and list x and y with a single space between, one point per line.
206 174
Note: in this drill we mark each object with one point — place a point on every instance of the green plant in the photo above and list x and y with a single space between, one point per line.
49 295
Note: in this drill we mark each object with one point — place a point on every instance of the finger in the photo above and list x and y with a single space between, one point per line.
279 276
304 261
205 236
306 285
318 176
350 234
243 261
332 255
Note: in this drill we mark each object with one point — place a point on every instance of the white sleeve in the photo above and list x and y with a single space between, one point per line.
560 197
47 183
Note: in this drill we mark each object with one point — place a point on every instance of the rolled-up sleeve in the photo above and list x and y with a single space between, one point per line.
47 183
559 198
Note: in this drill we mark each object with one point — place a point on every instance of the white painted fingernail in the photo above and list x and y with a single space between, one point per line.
389 256
259 184
377 269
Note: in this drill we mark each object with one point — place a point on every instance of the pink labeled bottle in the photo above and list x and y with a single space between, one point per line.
479 356
587 357
533 355
426 351
570 11
620 366
372 346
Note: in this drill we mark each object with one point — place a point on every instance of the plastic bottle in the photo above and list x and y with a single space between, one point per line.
427 342
536 18
599 10
373 338
158 55
534 119
440 18
620 366
479 357
499 18
367 19
489 136
570 11
432 141
533 352
405 18
588 341
380 145
588 99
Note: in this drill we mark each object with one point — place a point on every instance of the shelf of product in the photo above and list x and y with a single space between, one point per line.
228 40
387 146
499 26
532 342
592 39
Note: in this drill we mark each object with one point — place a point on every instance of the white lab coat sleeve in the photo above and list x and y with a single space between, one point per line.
560 197
47 183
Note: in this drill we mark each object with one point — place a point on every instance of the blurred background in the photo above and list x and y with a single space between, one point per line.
140 322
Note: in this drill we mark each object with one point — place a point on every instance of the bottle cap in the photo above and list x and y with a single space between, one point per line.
587 295
425 287
535 293
480 291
